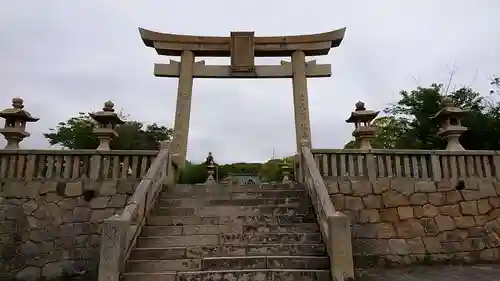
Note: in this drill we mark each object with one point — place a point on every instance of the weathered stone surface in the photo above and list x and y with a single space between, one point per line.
469 208
73 189
418 199
394 199
425 186
353 203
444 222
405 212
369 215
372 201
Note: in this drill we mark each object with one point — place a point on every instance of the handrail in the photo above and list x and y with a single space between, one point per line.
120 232
335 226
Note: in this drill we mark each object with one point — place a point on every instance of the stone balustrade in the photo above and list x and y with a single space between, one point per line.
413 164
70 165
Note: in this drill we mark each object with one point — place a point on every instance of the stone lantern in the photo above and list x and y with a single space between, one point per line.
210 163
363 130
286 176
451 126
16 118
107 119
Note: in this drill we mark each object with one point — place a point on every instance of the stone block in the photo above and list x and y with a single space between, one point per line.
381 185
416 245
490 254
338 201
398 247
456 235
100 215
470 195
444 222
372 201
108 187
361 188
353 203
403 186
453 197
481 220
80 214
118 200
55 269
99 202
389 215
126 186
29 273
484 206
425 187
487 189
345 187
418 199
409 228
385 230
394 199
469 208
430 211
464 221
450 210
333 187
495 202
29 207
73 189
432 245
437 198
444 185
164 265
369 215
67 203
405 212
430 226
48 187
20 189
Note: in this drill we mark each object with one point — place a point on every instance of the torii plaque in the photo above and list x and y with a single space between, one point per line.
242 47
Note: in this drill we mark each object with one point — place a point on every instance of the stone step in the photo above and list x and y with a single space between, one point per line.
269 219
235 275
229 263
215 194
202 202
228 239
228 228
190 252
183 188
210 211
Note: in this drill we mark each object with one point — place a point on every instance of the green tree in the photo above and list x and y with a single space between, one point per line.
76 133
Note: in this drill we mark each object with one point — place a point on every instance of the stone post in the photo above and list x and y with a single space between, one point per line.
16 118
108 120
300 99
363 130
113 243
183 107
451 126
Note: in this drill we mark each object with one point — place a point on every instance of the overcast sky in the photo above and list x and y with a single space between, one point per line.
63 57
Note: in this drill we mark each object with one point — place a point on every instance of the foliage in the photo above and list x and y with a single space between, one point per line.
410 123
269 171
76 133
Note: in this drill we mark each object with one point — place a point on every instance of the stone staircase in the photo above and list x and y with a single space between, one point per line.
250 232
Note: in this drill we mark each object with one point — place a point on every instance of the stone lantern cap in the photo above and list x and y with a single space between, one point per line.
449 110
107 115
360 114
17 112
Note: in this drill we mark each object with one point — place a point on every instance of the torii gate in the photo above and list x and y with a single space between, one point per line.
242 47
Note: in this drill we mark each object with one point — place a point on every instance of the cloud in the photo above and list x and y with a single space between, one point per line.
64 57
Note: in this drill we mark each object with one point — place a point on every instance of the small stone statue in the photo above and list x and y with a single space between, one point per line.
210 159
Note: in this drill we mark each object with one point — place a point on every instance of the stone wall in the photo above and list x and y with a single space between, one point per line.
50 227
403 221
